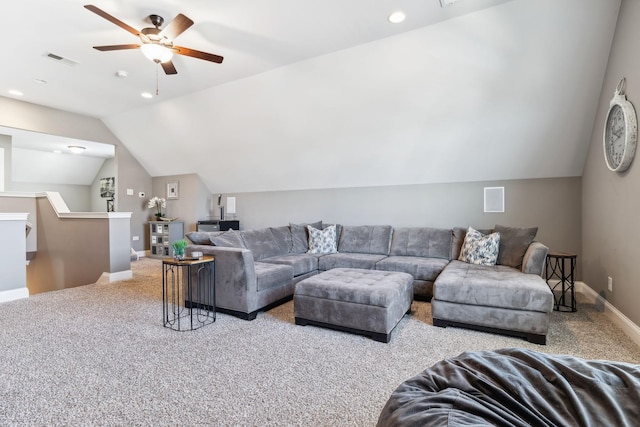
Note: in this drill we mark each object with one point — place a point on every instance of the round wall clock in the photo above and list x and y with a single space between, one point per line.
620 132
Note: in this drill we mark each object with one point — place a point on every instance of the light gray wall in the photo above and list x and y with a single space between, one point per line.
194 203
551 204
12 255
98 204
610 201
77 197
23 205
131 175
5 143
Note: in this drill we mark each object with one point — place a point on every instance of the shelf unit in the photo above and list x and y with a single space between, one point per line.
161 235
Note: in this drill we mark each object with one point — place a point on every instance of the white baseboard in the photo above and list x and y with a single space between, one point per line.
616 316
14 294
114 277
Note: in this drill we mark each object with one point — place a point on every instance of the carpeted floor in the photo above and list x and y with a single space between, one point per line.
99 355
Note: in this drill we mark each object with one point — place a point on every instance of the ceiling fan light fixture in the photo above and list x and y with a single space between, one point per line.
156 52
76 149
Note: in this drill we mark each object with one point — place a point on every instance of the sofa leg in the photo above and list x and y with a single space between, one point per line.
240 314
440 323
532 338
537 339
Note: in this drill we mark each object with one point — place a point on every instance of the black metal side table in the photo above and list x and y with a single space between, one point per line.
560 267
188 293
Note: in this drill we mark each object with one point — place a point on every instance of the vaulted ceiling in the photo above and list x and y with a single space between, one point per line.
329 94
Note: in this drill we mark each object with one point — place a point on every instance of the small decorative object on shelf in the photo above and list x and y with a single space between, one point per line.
178 248
158 203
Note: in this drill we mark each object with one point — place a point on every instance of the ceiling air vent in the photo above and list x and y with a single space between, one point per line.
61 59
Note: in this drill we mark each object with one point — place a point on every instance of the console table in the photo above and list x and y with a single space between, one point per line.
561 266
188 293
218 225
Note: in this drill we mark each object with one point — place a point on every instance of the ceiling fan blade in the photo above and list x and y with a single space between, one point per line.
169 68
176 27
197 54
117 47
112 19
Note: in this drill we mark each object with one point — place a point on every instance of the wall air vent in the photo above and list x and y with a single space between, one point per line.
61 59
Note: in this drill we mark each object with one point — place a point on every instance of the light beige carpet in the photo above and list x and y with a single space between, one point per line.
99 355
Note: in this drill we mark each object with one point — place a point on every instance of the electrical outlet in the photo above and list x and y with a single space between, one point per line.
129 191
610 284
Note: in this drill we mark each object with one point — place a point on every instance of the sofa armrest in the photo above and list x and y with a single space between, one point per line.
235 277
535 258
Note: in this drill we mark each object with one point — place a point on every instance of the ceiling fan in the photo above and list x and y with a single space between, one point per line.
157 44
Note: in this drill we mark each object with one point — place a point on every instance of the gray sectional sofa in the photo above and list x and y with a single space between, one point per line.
258 269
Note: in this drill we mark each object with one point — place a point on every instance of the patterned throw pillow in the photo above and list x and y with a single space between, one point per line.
480 249
322 241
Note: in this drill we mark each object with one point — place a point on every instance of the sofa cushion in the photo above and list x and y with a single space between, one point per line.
262 243
479 248
300 236
348 260
458 235
301 263
231 239
272 275
283 237
365 287
202 237
426 269
322 241
365 239
514 242
421 242
492 286
338 230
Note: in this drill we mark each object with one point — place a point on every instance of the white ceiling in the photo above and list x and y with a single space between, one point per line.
330 94
253 36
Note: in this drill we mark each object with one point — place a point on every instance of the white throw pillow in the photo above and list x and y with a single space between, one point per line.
480 249
322 241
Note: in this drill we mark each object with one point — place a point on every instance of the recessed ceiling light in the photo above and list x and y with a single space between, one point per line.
122 74
146 95
57 151
397 17
15 92
76 149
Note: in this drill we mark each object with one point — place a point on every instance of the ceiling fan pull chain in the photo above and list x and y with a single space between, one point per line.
157 90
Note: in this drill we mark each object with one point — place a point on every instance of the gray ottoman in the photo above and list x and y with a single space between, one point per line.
366 302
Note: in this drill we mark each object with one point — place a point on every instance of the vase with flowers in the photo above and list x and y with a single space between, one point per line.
158 203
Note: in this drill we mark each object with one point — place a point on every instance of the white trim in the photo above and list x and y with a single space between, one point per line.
13 216
18 194
114 277
62 210
14 294
616 316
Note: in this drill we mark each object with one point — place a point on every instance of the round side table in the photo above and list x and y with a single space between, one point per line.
561 267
